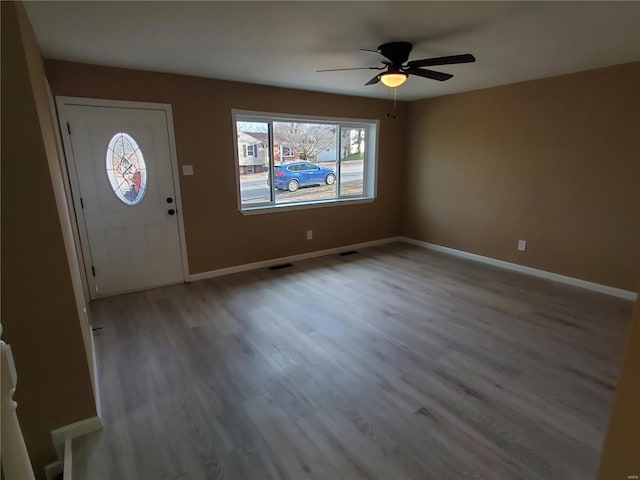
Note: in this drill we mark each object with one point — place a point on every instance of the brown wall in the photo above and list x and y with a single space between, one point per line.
217 234
621 453
39 310
552 161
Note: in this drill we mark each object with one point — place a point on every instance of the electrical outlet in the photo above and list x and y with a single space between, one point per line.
309 234
187 170
522 245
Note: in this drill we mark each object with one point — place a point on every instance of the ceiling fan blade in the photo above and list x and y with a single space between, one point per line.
357 68
374 51
449 60
433 75
374 80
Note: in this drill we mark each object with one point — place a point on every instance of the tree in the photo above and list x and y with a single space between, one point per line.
255 127
357 138
306 139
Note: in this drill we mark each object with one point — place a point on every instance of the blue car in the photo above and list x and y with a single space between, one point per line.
293 175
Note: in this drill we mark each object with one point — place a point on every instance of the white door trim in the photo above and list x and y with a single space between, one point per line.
62 102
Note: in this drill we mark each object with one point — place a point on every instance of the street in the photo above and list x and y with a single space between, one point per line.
253 187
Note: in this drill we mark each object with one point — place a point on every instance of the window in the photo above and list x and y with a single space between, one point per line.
287 151
126 169
251 151
307 161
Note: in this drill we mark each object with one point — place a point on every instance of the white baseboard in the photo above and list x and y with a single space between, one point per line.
96 380
576 282
293 258
73 430
68 460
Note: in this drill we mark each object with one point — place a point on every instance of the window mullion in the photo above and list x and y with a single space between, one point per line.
365 161
338 159
272 193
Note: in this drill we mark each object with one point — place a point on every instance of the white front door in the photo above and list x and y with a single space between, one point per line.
123 170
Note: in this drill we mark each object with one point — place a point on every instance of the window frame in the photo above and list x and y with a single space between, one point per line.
370 165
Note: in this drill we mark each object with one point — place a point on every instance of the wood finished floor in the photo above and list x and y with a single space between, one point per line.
396 363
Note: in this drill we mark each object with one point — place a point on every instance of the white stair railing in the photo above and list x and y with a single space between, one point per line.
15 459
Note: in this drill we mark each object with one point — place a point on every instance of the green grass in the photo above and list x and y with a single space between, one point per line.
353 156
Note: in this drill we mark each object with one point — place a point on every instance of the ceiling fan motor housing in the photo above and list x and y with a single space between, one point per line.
396 52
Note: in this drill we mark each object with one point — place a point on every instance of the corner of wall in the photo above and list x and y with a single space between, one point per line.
40 316
621 453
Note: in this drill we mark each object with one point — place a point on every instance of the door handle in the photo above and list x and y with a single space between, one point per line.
171 211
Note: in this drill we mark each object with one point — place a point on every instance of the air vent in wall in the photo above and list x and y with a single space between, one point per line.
281 266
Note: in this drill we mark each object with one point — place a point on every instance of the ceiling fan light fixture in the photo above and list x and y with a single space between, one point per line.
393 79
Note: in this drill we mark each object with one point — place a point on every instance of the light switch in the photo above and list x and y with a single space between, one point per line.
187 170
522 245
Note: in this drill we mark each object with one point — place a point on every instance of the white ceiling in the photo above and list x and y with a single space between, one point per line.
284 43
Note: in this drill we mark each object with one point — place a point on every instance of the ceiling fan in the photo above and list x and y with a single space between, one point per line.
397 68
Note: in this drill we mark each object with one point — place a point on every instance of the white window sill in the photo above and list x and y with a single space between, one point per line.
287 207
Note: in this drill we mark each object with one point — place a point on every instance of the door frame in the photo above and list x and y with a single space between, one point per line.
62 102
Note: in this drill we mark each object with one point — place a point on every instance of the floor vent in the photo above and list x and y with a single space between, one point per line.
281 266
346 254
